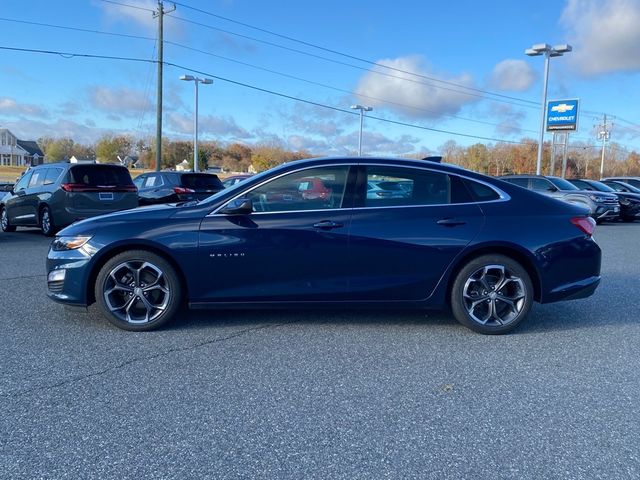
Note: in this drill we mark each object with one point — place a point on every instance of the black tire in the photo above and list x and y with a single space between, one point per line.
130 303
491 294
4 221
47 225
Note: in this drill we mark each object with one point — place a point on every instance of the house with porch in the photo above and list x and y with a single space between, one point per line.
18 153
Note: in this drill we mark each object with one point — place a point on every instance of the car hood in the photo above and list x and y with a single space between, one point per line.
151 212
591 192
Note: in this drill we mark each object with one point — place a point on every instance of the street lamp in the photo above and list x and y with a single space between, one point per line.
196 81
548 51
362 109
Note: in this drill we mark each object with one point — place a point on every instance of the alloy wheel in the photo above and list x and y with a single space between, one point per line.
494 296
136 292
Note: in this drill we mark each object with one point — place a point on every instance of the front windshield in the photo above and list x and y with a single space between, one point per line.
562 184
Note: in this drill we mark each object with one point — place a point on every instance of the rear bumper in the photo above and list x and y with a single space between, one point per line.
573 291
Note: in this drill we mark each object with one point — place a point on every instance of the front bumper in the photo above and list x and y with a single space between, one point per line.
67 276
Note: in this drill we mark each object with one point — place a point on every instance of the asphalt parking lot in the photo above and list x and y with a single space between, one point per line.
320 394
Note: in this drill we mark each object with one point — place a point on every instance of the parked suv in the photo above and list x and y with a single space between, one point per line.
629 202
602 206
54 195
633 181
170 187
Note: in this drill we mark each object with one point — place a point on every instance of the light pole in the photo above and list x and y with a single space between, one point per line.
196 81
548 51
362 109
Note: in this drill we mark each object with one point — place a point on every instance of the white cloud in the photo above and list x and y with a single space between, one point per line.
410 95
121 101
510 119
605 35
8 106
514 75
207 124
140 11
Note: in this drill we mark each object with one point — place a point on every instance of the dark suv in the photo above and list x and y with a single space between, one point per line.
633 181
602 206
629 201
170 187
54 195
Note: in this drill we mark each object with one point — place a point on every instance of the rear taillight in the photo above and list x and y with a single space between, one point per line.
81 187
75 187
182 190
586 224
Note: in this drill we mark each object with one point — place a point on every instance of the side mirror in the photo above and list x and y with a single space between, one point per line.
552 189
239 206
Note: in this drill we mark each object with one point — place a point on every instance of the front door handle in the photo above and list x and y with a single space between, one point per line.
450 222
327 225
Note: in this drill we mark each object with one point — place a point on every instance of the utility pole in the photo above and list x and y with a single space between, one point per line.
603 134
160 14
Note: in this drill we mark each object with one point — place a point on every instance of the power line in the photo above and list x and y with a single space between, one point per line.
69 55
481 93
137 7
275 72
346 55
533 104
350 65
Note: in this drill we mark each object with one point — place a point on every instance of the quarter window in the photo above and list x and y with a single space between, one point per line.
310 189
52 175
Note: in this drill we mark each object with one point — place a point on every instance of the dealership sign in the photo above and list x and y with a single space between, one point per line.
562 115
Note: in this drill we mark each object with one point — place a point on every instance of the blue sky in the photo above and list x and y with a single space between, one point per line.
472 75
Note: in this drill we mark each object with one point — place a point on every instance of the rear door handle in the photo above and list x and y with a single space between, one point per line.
327 225
450 222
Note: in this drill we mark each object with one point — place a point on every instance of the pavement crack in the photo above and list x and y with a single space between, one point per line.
80 378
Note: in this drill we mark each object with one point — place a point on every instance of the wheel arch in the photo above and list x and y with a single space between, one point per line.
123 247
510 251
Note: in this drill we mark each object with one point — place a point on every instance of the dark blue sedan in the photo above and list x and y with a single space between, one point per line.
483 247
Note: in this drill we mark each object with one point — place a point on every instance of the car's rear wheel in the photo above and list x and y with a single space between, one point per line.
138 291
46 222
491 294
4 221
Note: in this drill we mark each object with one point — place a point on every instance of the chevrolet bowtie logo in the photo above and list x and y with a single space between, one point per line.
563 107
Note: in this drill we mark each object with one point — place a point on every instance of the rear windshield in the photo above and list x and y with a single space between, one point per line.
100 175
201 180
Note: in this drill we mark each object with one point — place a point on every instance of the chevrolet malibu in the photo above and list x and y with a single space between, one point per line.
480 246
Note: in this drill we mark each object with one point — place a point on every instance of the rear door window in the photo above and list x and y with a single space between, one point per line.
37 179
153 181
395 186
204 181
540 185
521 182
100 176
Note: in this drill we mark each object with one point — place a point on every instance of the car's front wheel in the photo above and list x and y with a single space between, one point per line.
491 294
4 221
138 291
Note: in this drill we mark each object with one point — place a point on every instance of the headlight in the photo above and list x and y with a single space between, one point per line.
624 201
61 244
596 198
